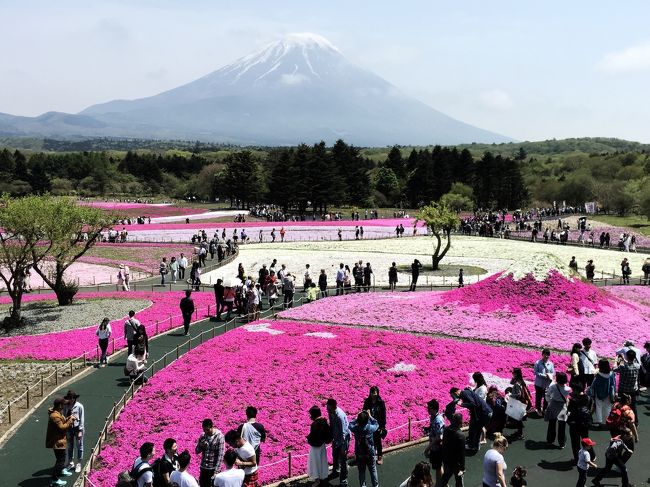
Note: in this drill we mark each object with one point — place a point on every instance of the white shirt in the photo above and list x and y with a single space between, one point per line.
145 478
583 459
182 261
244 453
104 333
590 363
230 478
490 461
183 479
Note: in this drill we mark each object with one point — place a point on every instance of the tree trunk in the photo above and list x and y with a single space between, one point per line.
16 308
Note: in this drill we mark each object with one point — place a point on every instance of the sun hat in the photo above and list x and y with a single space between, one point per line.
71 395
60 401
588 442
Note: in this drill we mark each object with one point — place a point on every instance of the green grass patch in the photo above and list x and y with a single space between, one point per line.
445 270
638 223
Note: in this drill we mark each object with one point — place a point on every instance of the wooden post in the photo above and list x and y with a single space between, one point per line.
56 376
164 362
9 411
156 327
42 386
208 310
28 397
177 352
170 322
71 371
409 435
290 465
113 345
84 360
189 343
114 410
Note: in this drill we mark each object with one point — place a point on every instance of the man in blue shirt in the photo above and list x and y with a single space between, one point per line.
340 441
544 373
435 430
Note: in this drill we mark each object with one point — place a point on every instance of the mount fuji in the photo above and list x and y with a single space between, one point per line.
299 89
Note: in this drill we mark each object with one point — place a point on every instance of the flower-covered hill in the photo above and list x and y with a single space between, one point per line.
552 312
284 368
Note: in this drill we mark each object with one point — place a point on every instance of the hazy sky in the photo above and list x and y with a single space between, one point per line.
529 70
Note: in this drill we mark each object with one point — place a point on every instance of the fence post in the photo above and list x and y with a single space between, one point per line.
208 310
170 322
189 343
409 435
156 327
98 356
290 465
42 386
213 331
114 410
84 360
177 351
27 397
71 371
56 376
113 345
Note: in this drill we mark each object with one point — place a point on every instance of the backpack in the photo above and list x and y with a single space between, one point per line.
157 469
614 450
615 417
136 472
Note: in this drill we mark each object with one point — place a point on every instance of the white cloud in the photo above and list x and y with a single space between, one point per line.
631 59
496 99
293 79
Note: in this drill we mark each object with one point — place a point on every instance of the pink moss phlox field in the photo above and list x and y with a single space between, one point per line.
73 343
284 374
636 294
606 319
210 227
555 293
143 209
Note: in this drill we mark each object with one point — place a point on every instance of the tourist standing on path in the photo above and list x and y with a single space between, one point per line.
56 438
120 279
628 378
232 476
340 433
246 458
584 461
218 298
76 432
367 272
557 397
602 392
322 283
415 273
625 270
282 232
494 465
435 430
141 471
521 393
103 333
453 452
588 361
340 278
131 326
590 270
187 309
575 365
461 278
318 437
544 374
307 280
579 420
195 276
252 431
392 276
173 266
211 447
347 280
181 477
163 270
169 461
364 428
376 406
646 272
289 285
182 265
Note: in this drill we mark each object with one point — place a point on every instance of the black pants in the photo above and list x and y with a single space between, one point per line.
129 344
608 467
181 272
339 288
205 477
450 471
376 436
540 398
560 426
186 322
220 308
577 433
582 478
288 299
103 346
59 464
474 433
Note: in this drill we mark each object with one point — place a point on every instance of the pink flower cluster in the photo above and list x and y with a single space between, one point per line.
284 368
136 255
143 209
545 317
73 343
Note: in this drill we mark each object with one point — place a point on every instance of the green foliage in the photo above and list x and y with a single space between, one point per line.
386 183
457 202
439 220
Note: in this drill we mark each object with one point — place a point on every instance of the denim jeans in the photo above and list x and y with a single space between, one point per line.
340 461
369 462
73 437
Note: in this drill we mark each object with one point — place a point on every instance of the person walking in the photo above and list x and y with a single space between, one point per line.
584 461
340 278
56 439
646 271
494 464
557 397
619 451
219 290
322 283
626 271
461 278
376 406
602 391
131 326
211 447
364 428
453 452
521 393
163 270
392 277
544 374
76 433
590 270
187 309
195 276
103 333
289 286
575 365
340 433
318 437
416 266
628 378
588 361
367 272
182 265
579 420
173 267
435 431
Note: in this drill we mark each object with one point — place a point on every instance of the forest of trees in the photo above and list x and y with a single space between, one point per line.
317 177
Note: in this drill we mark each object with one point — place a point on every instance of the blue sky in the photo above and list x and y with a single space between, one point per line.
528 70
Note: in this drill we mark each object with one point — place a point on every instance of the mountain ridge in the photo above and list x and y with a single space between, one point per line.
298 89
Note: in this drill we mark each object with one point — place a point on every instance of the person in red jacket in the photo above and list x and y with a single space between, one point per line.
56 439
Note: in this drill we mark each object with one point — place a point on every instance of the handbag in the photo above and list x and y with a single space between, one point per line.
564 414
515 409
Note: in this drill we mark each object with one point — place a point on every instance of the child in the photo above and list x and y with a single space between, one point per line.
584 461
312 292
518 474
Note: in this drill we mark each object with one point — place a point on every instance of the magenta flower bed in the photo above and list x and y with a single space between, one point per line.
283 369
73 343
614 233
554 318
636 294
